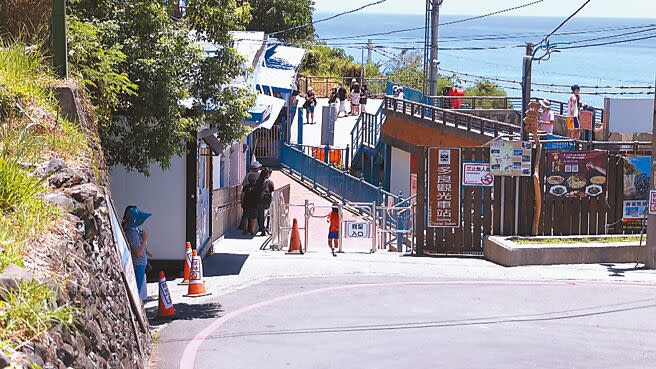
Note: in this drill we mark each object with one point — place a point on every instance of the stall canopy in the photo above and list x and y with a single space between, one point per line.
281 64
265 111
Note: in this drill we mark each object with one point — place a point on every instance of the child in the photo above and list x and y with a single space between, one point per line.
333 230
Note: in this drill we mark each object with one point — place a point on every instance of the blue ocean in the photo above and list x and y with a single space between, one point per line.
626 64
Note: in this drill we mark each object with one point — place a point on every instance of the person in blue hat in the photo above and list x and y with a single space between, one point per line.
133 219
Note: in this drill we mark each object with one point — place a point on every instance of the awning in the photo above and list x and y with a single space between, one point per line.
265 112
208 135
279 80
284 57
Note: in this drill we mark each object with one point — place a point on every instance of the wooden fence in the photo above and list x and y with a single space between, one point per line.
493 210
226 210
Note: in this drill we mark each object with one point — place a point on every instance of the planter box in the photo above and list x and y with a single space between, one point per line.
502 250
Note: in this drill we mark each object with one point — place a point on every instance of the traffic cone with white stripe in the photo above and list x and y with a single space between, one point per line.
166 308
187 264
196 282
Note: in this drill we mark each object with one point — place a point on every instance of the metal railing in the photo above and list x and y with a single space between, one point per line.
505 102
366 130
322 86
332 180
451 118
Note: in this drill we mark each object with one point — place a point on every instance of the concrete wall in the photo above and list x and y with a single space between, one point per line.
400 172
164 195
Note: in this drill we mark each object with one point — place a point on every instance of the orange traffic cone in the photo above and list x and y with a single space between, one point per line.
165 304
196 282
187 264
295 242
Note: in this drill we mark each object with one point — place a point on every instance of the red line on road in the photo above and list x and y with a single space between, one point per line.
191 350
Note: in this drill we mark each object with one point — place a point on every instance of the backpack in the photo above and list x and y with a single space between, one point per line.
266 197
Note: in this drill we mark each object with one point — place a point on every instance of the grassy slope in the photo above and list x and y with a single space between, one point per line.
30 133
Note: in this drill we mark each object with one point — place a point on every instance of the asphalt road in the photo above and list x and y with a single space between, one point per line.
383 322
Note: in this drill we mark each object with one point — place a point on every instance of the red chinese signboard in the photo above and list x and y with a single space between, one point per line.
444 187
577 173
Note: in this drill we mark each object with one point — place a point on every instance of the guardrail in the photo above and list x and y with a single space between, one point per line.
452 118
332 180
505 102
366 130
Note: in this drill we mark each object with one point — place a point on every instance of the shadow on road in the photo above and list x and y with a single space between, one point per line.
222 264
185 311
619 272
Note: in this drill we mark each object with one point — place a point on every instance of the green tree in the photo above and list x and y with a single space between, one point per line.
487 88
139 64
409 71
280 15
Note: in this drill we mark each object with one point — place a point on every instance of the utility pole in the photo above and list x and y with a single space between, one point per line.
362 67
58 32
370 48
651 220
433 62
526 85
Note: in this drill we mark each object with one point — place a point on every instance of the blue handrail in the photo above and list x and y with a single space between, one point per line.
334 181
367 130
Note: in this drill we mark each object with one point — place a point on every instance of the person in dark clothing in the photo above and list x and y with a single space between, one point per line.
341 92
332 102
355 97
265 187
364 95
249 201
309 105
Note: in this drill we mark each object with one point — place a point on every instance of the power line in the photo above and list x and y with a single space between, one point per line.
331 17
441 24
606 43
565 21
549 84
563 92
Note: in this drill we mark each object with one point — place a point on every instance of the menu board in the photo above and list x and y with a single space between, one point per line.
636 186
576 173
510 158
444 187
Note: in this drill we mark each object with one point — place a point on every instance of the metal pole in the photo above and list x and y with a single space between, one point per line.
60 51
362 67
651 221
307 222
374 226
370 47
341 228
435 23
526 85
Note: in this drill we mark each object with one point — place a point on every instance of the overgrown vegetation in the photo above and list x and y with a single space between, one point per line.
30 132
272 16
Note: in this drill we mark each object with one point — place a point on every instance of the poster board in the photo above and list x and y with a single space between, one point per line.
511 158
444 187
125 259
477 174
636 188
576 173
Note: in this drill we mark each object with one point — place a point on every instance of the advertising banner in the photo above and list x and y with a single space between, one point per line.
510 158
636 186
444 187
576 173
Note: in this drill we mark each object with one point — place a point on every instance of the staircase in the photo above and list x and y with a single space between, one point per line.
368 151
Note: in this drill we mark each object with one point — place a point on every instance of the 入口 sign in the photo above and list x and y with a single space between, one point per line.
477 175
358 229
444 187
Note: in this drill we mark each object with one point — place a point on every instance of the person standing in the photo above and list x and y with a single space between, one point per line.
137 239
573 125
547 117
264 186
341 93
309 105
355 97
249 201
253 171
332 102
400 96
333 228
364 94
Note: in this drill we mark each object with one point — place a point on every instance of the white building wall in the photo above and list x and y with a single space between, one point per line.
162 194
400 172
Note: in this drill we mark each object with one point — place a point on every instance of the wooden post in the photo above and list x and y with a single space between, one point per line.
530 124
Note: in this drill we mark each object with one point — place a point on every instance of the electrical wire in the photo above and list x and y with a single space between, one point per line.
441 24
547 84
330 18
605 43
562 92
546 38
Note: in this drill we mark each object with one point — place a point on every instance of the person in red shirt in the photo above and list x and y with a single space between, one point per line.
333 229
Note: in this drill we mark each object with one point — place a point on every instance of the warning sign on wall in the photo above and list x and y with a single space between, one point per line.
477 175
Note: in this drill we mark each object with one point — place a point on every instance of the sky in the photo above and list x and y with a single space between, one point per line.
596 8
